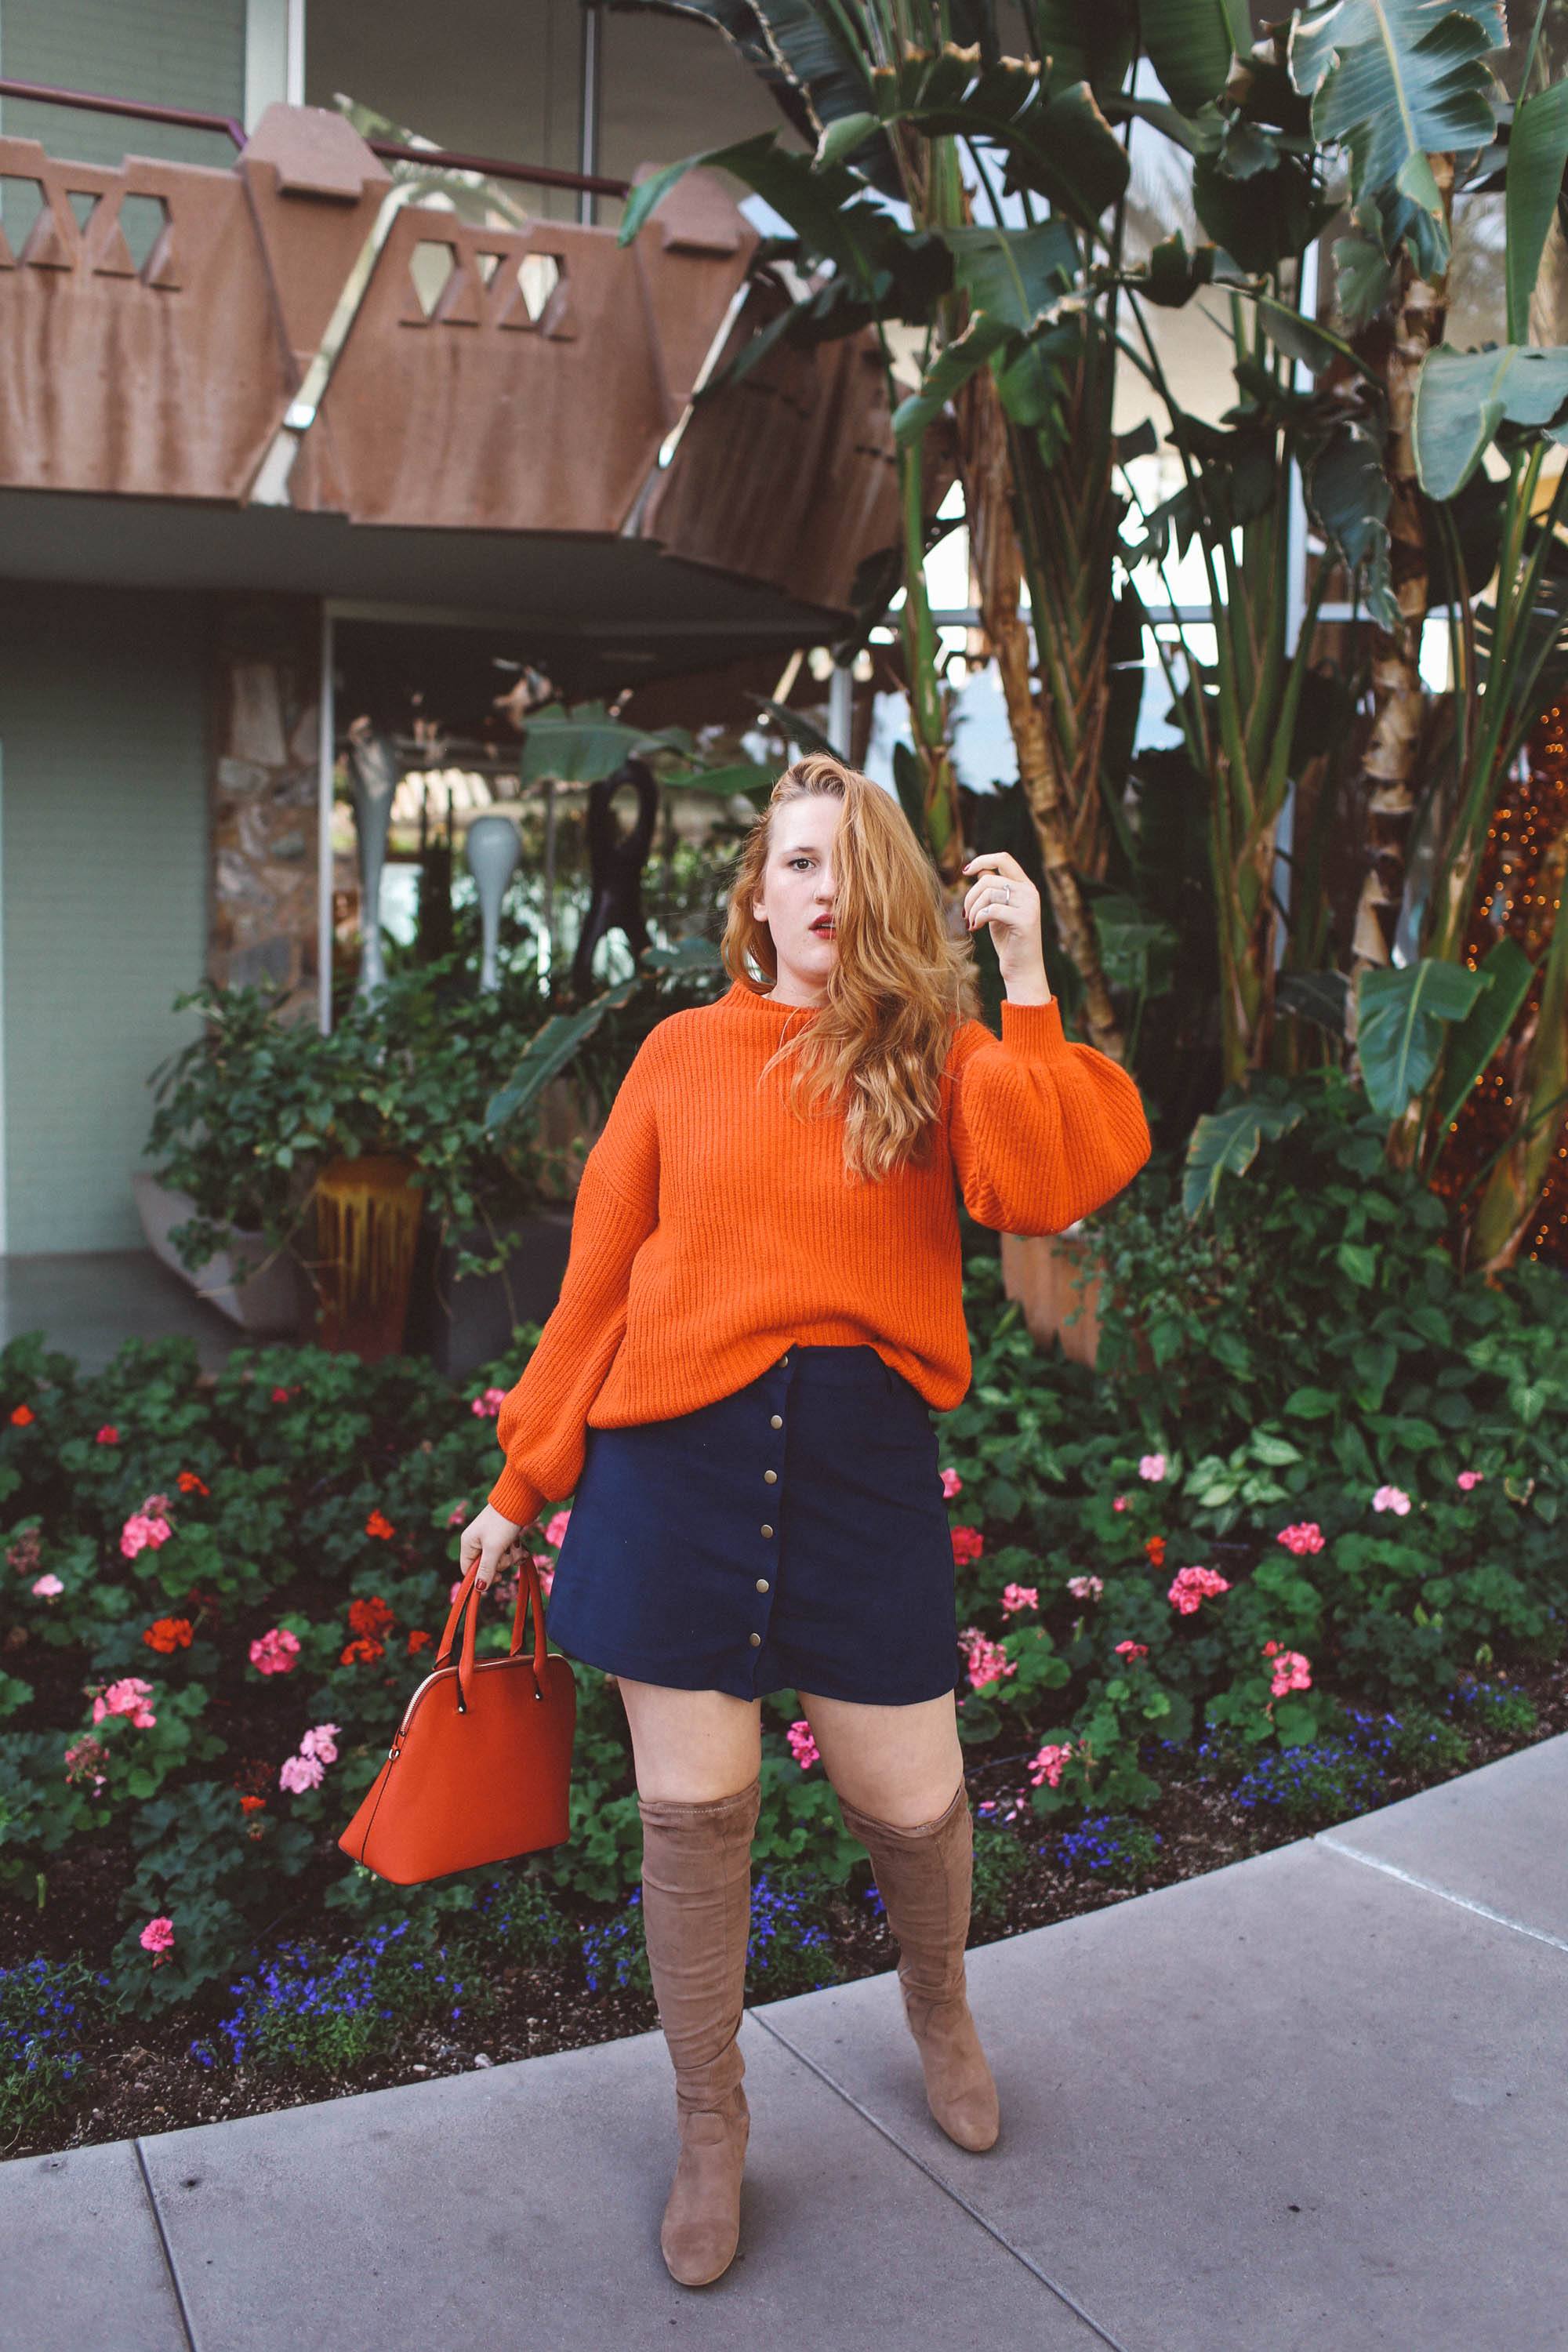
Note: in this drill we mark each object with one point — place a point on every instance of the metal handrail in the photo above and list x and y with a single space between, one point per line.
182 117
436 159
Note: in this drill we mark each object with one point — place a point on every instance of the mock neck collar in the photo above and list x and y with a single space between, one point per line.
739 998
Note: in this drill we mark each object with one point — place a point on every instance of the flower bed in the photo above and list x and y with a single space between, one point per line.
1295 1547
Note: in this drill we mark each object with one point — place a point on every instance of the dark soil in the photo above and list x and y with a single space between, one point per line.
153 2085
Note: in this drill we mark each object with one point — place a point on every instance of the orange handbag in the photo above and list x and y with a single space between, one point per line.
479 1770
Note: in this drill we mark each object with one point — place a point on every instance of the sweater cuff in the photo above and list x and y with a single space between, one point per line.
1033 1032
516 1497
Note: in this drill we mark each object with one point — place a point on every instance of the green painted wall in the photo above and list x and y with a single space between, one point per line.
103 855
170 52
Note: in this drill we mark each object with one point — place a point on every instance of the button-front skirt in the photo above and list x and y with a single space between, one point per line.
793 1535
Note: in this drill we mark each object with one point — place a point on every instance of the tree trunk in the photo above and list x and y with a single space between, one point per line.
1412 322
988 490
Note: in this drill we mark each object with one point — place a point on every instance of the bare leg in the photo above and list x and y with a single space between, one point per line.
900 1764
691 1745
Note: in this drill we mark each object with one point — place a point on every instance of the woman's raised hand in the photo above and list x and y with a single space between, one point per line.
492 1541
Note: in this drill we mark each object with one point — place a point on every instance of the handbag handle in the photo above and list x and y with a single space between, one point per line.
528 1596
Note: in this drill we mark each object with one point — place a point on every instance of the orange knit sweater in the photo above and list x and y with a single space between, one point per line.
713 1228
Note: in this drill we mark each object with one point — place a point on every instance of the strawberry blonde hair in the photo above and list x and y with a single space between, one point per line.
900 983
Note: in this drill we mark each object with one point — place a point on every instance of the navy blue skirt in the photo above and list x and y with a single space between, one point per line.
793 1535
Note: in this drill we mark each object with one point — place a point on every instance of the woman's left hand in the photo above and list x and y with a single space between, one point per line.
1003 896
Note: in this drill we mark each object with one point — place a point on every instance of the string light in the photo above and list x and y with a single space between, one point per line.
1512 895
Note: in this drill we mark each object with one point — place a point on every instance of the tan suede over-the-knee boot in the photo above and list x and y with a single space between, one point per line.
925 1876
696 1915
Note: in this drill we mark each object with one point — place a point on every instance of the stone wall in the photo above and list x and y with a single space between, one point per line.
263 928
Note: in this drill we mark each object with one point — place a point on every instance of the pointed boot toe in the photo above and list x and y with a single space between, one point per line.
960 2089
701 2226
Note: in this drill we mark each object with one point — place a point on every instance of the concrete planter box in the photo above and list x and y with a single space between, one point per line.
1053 1277
271 1305
461 1325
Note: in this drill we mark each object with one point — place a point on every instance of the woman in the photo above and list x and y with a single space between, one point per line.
761 1312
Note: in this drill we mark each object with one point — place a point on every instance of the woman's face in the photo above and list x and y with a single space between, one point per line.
797 895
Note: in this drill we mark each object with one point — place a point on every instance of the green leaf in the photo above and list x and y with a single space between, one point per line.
1537 153
1395 81
1295 1721
1016 274
1276 1451
1317 996
1312 1405
1506 974
1357 1262
1462 397
1190 45
550 1050
1401 1016
955 364
1225 1143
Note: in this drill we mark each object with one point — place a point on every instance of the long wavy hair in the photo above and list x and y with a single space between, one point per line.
898 987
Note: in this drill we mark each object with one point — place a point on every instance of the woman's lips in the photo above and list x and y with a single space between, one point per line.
822 930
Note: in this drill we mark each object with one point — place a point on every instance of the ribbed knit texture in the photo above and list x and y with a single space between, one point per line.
713 1228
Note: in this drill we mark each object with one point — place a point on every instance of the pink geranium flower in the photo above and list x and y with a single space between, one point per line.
1133 1649
1391 1498
459 1517
1085 1588
803 1747
275 1651
301 1772
85 1760
1304 1537
1048 1764
321 1741
1151 1466
488 1403
48 1587
1192 1586
968 1543
129 1697
107 1436
950 1484
1020 1596
1291 1671
157 1936
1468 1479
142 1531
1118 1502
555 1529
987 1660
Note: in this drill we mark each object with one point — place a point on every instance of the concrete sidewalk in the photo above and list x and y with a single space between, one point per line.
1316 2102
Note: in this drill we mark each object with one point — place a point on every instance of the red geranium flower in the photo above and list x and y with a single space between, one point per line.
21 1415
252 1804
168 1634
1155 1548
369 1616
362 1653
378 1524
189 1484
419 1640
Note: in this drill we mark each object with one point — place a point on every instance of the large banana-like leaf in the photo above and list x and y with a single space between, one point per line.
1462 397
1225 1143
1506 974
551 1049
1537 153
1397 81
1403 1014
583 745
1190 45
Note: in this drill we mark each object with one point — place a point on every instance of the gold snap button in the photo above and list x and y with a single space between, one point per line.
777 1421
770 1477
766 1529
756 1641
761 1584
784 1360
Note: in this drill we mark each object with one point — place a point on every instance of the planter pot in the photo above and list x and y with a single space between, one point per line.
367 1233
460 1325
1054 1277
273 1303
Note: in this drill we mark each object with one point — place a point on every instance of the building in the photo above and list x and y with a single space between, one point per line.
269 410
